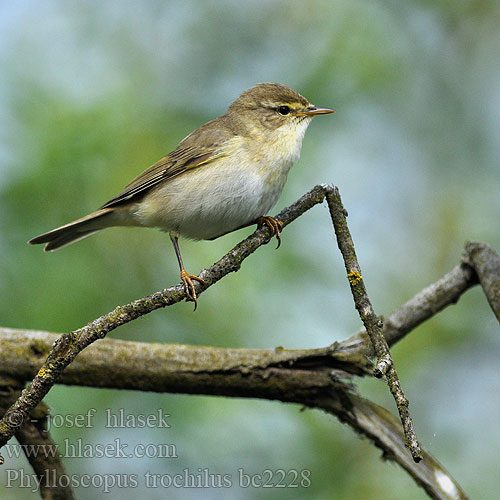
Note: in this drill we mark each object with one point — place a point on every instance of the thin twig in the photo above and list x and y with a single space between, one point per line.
373 324
479 260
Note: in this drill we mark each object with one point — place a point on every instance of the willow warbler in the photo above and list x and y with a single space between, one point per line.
223 176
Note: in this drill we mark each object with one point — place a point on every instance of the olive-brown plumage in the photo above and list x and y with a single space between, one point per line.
225 175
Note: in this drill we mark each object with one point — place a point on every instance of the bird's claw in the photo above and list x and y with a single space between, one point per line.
189 287
273 224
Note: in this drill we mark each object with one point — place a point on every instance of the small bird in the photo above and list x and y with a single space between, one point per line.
223 176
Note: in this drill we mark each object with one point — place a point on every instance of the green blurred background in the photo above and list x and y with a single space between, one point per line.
92 93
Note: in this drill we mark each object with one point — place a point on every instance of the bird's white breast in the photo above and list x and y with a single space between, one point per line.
229 192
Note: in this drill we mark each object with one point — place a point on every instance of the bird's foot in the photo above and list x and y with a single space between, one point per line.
273 224
189 288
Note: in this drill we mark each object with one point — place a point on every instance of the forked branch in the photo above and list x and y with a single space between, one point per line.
316 378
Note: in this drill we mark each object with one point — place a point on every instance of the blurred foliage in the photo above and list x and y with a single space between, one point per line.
94 92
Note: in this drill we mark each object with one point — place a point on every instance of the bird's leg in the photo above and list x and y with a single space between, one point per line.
186 278
273 224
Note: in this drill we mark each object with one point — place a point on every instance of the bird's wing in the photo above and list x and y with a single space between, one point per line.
202 146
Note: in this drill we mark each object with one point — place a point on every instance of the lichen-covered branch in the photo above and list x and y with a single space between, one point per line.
373 324
315 378
120 364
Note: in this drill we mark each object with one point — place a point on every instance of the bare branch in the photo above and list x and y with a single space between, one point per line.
486 262
120 364
46 463
372 322
311 377
380 426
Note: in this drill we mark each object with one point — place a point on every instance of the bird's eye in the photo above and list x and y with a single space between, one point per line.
283 110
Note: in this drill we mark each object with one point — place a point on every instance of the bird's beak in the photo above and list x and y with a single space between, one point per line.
313 110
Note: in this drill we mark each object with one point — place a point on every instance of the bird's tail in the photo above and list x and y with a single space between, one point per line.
74 231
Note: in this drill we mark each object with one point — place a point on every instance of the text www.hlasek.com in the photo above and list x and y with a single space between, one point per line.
79 449
203 478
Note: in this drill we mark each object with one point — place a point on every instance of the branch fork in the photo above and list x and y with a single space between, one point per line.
314 378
